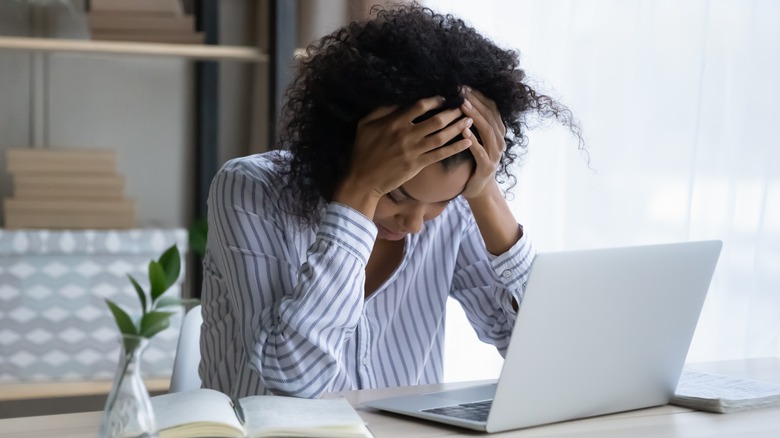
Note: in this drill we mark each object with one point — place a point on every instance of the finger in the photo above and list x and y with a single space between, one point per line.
483 101
492 140
484 127
443 152
483 168
487 102
422 106
437 122
471 102
443 136
378 113
481 156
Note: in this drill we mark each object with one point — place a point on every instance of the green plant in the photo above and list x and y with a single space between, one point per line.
163 273
198 233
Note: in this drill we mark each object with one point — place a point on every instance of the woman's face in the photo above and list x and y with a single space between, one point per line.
422 198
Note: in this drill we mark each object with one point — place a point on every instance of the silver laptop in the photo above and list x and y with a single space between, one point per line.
599 331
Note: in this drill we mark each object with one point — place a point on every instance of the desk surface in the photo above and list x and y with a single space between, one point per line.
663 421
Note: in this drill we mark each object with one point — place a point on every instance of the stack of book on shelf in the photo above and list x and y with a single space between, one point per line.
159 21
66 189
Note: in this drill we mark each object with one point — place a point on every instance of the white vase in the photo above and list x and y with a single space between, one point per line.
128 411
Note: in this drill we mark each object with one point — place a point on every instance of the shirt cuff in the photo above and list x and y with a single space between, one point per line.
349 229
513 267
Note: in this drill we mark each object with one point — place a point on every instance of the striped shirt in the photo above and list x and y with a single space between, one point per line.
284 309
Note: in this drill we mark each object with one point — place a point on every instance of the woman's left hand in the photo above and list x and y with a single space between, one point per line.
491 129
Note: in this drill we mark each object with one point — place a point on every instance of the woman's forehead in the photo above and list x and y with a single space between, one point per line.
436 183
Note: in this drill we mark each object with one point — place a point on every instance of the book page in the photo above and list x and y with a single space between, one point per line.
321 417
205 411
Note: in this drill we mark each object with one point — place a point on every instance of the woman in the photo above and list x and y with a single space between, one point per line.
328 265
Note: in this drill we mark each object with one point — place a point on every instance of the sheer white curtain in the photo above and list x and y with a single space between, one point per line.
679 103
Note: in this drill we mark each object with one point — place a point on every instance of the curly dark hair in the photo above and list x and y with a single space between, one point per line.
404 54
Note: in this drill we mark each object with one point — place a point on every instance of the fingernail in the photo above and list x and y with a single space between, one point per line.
467 133
469 122
467 88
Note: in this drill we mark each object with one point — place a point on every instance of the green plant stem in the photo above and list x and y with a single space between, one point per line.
126 363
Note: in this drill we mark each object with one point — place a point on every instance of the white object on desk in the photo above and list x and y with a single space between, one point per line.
724 394
185 367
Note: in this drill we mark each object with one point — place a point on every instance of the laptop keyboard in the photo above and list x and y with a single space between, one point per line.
477 411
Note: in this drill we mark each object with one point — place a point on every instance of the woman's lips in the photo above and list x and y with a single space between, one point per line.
386 234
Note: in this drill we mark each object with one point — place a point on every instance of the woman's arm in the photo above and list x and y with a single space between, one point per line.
495 257
292 315
488 287
496 222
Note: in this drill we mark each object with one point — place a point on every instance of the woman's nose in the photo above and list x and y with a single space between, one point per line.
412 220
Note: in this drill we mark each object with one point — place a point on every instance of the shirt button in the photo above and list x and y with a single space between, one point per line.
506 274
364 361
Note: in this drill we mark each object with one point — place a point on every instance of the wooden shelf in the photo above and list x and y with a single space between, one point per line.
190 51
22 391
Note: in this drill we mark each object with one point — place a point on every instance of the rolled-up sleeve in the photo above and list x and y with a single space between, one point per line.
486 285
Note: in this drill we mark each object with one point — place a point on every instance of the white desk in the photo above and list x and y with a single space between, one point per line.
664 421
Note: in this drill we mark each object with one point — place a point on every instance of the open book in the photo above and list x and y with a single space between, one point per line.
205 412
724 394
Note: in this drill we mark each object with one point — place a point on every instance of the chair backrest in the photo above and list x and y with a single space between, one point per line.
185 366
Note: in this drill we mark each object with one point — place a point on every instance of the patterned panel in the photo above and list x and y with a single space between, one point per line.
54 323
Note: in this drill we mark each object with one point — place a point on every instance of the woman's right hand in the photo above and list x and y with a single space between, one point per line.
390 149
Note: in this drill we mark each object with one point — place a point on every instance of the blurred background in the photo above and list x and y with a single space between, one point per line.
677 101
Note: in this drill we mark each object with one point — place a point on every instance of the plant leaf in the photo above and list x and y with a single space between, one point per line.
173 301
140 292
131 343
170 261
123 320
155 322
198 236
156 280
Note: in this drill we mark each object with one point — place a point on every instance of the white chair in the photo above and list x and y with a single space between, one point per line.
185 366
